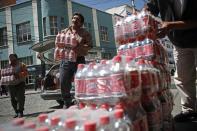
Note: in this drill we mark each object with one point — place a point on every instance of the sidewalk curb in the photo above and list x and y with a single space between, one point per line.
27 92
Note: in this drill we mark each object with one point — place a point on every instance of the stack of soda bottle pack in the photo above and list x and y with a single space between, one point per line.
7 76
63 45
128 93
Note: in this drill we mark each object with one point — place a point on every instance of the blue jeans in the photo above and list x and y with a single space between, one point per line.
67 71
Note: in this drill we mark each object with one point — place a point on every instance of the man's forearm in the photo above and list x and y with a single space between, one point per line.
182 24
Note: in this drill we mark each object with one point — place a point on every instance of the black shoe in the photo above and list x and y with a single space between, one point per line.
16 115
20 114
185 116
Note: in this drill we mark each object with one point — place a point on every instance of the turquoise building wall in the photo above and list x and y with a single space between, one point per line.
3 50
23 12
105 19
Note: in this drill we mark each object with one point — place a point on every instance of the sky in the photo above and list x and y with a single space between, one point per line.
106 4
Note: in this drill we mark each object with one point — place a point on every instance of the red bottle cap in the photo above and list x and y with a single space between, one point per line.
93 106
70 123
119 113
81 105
42 117
119 106
140 62
55 120
90 126
117 58
80 66
105 106
104 120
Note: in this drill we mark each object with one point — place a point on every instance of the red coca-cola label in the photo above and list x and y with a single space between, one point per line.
135 80
117 83
146 79
135 27
91 86
57 54
148 50
66 54
139 51
135 85
80 87
104 85
67 40
62 54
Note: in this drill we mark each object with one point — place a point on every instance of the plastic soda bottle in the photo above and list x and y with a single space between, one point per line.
120 124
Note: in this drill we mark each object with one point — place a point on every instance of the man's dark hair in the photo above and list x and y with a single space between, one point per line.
15 55
80 15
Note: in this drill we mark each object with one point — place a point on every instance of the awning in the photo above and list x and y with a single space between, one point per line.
44 45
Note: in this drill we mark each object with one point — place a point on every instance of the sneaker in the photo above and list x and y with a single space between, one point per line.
185 116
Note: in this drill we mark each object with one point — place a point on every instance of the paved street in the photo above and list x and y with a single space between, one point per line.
35 105
187 126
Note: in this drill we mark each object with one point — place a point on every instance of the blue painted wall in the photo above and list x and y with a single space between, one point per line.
2 18
105 19
23 13
54 8
3 50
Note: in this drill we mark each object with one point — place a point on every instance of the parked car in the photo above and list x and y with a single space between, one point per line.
50 89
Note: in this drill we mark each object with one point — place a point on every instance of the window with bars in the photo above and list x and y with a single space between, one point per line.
44 26
3 37
23 32
53 25
104 33
62 25
4 64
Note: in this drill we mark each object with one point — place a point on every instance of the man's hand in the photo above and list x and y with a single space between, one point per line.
164 29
